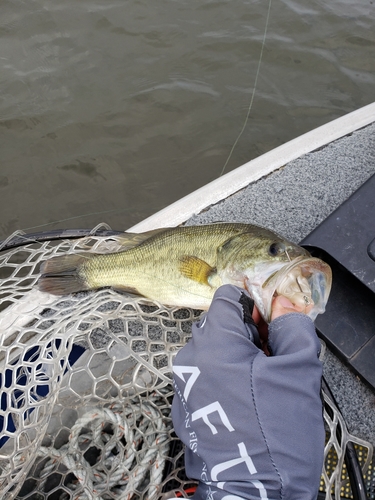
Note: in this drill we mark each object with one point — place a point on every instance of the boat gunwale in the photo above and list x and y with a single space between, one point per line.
235 180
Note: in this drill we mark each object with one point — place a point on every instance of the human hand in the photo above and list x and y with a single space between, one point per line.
281 305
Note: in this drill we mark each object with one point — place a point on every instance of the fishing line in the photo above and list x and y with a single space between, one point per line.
19 239
253 94
19 232
28 238
286 251
75 217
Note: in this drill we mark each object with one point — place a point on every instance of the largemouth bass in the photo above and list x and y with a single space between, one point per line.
183 266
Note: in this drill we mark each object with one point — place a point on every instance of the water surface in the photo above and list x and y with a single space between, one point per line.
111 110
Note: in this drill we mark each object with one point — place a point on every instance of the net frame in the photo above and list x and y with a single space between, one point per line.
59 413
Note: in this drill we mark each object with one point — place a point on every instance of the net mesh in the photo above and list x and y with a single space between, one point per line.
85 390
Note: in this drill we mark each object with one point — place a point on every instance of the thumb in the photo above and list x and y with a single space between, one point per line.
282 305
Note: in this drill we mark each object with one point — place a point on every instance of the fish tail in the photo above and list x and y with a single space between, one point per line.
64 274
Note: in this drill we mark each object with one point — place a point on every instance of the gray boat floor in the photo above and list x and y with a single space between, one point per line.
294 200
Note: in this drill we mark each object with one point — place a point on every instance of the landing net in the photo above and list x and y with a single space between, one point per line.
85 389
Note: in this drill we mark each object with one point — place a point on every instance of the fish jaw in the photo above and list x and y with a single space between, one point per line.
305 281
253 279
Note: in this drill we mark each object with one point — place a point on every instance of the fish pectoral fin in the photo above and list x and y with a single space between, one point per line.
196 269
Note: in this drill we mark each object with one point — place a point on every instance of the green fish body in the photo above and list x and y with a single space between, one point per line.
180 266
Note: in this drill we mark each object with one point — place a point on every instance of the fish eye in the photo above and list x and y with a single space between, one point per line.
276 249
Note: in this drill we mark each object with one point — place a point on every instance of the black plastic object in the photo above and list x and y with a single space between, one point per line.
346 241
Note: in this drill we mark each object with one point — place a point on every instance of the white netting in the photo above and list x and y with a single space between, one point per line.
335 479
85 389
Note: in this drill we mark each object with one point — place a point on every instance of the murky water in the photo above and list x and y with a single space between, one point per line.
111 109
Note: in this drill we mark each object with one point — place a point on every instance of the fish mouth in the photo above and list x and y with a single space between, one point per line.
304 281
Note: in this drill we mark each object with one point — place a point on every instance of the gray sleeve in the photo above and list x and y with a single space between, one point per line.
252 424
286 388
230 314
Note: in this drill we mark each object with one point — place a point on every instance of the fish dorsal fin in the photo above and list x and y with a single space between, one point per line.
131 240
195 269
126 241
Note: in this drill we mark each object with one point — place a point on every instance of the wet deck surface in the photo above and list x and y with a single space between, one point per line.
293 201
